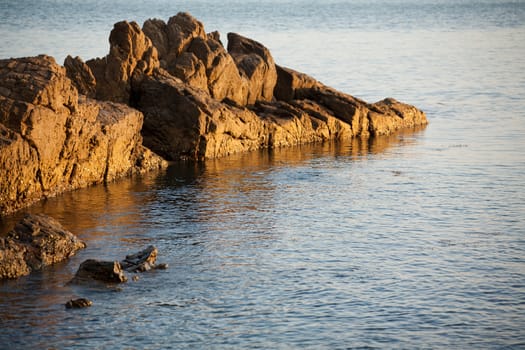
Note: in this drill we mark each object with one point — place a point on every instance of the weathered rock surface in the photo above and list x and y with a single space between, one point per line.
255 64
53 140
142 261
103 271
201 100
113 271
35 242
131 52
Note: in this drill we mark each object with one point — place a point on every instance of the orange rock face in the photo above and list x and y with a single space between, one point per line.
53 140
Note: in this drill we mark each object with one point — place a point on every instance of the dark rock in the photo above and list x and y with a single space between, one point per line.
113 271
81 76
104 271
78 303
141 261
289 81
181 122
35 242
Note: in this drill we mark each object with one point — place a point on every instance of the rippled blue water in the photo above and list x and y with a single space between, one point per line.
411 241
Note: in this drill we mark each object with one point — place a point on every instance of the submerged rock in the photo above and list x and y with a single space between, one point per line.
78 303
35 242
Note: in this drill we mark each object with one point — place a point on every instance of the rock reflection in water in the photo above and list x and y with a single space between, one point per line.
182 206
121 203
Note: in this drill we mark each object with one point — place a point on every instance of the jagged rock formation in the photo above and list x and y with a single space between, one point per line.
131 52
201 100
52 139
35 242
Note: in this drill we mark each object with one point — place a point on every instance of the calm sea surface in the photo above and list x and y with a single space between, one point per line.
411 241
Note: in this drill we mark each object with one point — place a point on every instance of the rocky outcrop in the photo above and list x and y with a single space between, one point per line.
176 88
186 123
201 100
52 139
35 242
198 59
208 102
113 271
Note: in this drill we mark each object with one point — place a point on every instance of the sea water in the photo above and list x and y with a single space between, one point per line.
416 240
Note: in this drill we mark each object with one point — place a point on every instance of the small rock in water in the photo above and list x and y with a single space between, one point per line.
36 241
162 266
141 261
135 278
78 303
105 271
